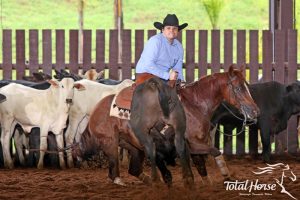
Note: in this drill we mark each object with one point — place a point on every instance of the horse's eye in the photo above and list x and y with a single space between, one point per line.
238 89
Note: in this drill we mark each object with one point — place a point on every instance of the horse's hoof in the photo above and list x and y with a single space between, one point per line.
119 181
145 179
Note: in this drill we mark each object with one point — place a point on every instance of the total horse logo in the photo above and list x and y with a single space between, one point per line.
252 187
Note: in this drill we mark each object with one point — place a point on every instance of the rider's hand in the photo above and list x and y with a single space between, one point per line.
173 75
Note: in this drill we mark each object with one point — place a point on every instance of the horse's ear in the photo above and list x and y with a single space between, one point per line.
231 70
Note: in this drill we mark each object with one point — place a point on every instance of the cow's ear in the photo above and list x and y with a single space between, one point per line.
38 76
100 75
54 83
79 86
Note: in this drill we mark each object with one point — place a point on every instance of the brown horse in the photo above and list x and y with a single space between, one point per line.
154 102
107 133
200 99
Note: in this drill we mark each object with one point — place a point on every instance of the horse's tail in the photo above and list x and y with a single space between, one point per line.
163 98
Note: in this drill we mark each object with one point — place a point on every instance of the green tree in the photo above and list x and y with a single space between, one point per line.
213 9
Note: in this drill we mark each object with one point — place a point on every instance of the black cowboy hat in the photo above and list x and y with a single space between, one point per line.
170 20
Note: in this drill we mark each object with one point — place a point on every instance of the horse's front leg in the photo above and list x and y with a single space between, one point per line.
199 162
200 148
220 162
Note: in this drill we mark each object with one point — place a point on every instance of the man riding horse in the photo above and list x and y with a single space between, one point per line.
154 102
163 54
162 57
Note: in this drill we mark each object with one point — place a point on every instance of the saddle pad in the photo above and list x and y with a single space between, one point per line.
120 113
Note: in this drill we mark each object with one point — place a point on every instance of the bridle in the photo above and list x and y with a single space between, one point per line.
236 92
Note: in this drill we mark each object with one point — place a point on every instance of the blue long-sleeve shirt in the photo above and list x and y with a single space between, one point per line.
159 57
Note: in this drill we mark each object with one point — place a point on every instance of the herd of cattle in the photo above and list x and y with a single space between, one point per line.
49 104
35 112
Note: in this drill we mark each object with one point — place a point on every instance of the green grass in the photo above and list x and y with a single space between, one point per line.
138 14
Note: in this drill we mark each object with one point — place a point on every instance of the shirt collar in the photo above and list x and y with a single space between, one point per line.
167 41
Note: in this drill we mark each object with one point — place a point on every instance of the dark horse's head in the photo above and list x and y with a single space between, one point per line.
236 92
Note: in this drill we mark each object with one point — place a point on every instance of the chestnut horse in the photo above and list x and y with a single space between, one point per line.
200 99
154 102
107 133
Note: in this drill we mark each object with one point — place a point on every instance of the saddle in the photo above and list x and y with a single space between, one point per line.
122 101
124 97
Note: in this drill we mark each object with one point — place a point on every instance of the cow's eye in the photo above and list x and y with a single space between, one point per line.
62 86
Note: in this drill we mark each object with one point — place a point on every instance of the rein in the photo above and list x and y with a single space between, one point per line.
231 135
236 92
57 151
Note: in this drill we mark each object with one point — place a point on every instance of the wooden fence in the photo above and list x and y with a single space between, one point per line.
205 53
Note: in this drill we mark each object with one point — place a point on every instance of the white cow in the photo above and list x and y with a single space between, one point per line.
83 104
46 109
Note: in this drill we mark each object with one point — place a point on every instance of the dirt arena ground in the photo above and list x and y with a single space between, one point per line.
93 183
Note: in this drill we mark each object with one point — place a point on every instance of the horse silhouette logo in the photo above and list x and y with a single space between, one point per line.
286 173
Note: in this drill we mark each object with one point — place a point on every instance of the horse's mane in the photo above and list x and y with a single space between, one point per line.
201 84
214 77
